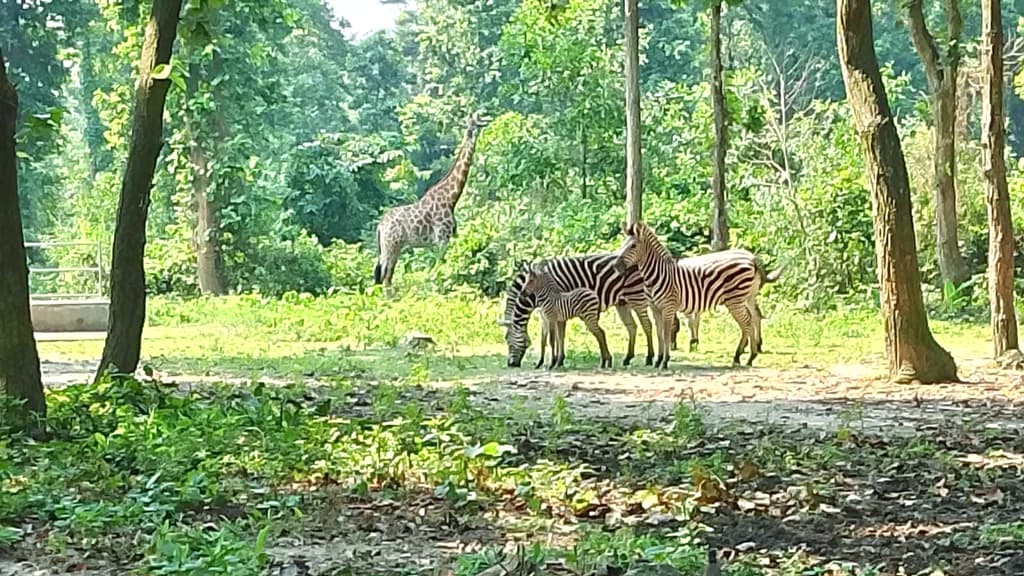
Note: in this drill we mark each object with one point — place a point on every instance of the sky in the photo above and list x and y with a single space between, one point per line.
365 16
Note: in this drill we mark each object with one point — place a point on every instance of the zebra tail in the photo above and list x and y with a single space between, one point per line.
767 277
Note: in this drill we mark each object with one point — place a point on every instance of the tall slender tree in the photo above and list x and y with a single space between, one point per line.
912 351
634 163
19 359
1000 225
941 68
127 277
719 214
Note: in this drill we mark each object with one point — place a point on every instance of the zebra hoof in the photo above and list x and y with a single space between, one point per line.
649 361
693 345
627 360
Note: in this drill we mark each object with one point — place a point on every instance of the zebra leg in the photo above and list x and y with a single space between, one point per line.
659 330
561 343
602 342
645 323
694 321
557 344
626 315
668 316
758 317
741 313
755 324
544 328
674 332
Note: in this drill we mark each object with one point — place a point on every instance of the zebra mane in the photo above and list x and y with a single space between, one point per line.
648 238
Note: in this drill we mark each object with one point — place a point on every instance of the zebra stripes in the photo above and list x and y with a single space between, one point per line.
596 272
693 285
557 307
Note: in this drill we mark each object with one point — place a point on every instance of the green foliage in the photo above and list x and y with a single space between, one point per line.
337 185
308 136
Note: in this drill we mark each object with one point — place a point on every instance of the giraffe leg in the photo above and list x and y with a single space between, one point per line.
389 273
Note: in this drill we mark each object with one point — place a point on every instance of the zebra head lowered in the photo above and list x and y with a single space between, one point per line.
518 303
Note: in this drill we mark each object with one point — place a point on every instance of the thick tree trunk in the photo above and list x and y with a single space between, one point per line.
127 277
912 351
19 359
204 234
634 163
719 215
942 83
1000 226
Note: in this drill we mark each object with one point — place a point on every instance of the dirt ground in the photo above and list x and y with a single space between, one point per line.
852 395
802 399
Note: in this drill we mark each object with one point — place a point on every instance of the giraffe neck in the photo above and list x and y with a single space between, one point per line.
449 189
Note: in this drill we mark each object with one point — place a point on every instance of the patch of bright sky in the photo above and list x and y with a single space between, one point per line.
366 16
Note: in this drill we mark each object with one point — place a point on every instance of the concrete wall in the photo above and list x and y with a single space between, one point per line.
70 315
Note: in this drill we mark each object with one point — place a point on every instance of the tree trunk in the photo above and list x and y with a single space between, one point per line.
19 359
719 216
942 83
127 277
913 353
583 157
634 163
1000 226
204 235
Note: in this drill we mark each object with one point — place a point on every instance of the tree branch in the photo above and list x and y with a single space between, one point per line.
924 44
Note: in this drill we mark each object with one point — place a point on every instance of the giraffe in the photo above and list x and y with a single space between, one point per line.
430 221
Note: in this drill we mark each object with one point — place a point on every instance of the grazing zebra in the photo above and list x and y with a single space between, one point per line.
696 284
594 271
557 307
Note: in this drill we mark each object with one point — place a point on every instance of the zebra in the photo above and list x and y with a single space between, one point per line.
557 307
593 271
696 284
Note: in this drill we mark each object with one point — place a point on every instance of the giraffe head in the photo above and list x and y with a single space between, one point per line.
477 120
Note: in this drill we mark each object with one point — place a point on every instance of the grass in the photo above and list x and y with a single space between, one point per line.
250 336
336 434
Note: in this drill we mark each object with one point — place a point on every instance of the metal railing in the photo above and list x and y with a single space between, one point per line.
96 269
